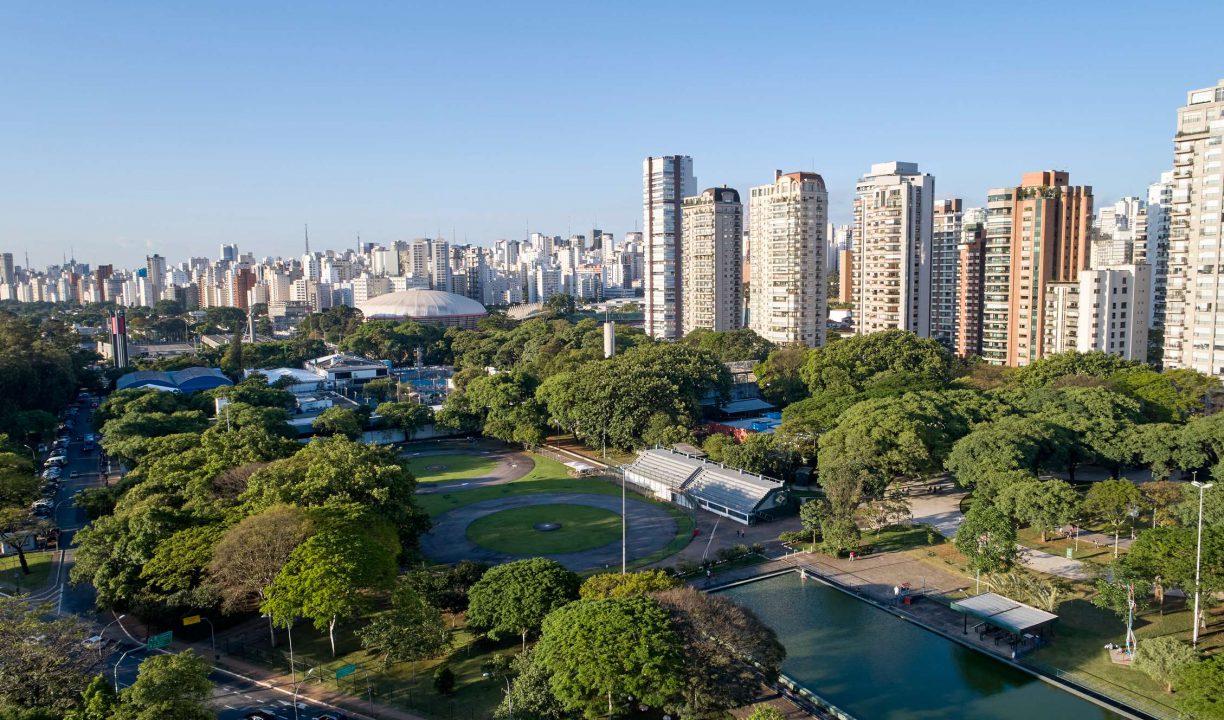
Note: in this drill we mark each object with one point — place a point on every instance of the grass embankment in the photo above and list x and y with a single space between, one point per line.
513 531
408 686
12 580
444 468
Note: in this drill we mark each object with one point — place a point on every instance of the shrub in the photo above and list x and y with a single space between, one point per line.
444 680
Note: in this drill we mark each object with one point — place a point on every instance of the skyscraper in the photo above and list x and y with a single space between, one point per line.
1160 198
712 257
1194 292
1036 233
971 271
7 273
787 222
666 181
892 249
946 226
157 275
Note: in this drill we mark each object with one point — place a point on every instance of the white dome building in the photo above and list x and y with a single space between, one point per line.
424 306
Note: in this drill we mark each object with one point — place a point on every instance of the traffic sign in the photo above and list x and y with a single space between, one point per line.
1070 554
160 640
191 620
346 671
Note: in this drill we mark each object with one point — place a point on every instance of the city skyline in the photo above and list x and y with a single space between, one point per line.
391 120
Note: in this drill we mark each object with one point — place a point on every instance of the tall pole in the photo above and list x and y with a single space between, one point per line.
1198 559
624 528
117 664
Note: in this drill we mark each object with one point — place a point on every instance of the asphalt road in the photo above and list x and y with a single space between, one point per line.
232 698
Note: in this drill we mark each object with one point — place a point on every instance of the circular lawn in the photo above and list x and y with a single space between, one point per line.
515 531
444 468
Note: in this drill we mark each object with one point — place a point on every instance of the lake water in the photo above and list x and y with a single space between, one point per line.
876 666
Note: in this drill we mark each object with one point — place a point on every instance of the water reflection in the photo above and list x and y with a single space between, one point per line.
874 665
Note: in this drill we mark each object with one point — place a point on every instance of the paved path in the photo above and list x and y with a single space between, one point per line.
650 529
942 511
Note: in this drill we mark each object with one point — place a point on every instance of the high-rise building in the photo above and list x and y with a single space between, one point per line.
946 226
156 265
712 256
666 181
1036 233
440 270
8 275
1194 292
1105 310
970 294
787 222
229 253
892 249
1160 198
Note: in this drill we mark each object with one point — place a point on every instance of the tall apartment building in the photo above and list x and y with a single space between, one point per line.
970 289
156 266
666 181
892 249
1159 200
712 255
787 221
947 217
439 266
8 276
1036 233
1194 293
1105 310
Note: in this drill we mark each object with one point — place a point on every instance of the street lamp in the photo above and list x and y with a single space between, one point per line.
1198 557
117 664
297 686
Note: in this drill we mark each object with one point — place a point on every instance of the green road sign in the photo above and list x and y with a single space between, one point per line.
1070 554
346 671
160 640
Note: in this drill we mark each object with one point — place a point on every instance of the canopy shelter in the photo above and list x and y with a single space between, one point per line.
1003 613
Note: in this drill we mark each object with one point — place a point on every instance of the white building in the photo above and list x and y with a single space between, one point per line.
947 222
892 258
666 181
712 255
1194 323
1159 200
1105 310
787 222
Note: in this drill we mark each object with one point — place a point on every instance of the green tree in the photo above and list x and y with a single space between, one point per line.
987 538
1005 445
411 630
731 345
851 363
338 421
231 363
1163 658
765 712
1112 502
407 416
444 680
331 575
1200 688
1040 504
599 653
514 598
615 585
530 694
812 514
42 662
1047 370
727 650
168 686
780 375
447 588
560 304
97 701
1161 497
250 555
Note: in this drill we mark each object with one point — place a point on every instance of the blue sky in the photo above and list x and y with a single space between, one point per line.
173 127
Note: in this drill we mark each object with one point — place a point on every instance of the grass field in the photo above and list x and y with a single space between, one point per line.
443 468
11 578
550 476
513 531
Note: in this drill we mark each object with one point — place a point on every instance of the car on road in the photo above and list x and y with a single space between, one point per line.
331 716
259 715
94 642
75 473
42 508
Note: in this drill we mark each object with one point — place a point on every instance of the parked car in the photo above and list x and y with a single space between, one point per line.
94 642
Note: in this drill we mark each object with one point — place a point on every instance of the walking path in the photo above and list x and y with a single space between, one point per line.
942 511
652 529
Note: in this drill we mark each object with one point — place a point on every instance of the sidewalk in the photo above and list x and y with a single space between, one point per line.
943 513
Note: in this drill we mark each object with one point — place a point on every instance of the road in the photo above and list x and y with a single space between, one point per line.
233 698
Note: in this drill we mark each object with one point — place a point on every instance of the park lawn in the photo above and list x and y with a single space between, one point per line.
458 467
513 531
1031 538
12 579
408 686
1082 632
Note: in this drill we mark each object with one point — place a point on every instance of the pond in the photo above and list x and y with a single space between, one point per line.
876 666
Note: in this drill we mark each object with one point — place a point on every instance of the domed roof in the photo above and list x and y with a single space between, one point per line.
419 303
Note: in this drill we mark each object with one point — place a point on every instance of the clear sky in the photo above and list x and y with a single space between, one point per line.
131 127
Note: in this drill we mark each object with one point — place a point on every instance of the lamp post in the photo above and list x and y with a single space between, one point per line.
1198 557
297 686
117 664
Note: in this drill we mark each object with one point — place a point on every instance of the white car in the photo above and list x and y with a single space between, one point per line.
94 642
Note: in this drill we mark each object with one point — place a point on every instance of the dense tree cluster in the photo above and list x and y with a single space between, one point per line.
42 367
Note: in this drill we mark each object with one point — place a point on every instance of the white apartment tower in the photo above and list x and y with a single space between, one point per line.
891 271
947 221
787 221
1105 310
1160 198
1194 293
666 181
712 255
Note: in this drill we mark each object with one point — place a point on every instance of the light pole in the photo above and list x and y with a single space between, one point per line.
117 664
1198 557
297 686
624 527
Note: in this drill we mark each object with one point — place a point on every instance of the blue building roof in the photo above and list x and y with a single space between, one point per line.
187 381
